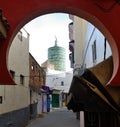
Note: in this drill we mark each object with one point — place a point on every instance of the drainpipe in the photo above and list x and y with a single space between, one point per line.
80 69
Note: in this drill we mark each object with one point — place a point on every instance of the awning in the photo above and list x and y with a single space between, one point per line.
47 89
87 93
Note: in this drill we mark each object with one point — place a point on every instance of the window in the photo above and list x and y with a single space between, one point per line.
105 44
32 67
22 79
62 83
12 73
20 35
94 52
1 99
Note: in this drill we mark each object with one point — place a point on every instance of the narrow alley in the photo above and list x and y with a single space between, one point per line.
59 117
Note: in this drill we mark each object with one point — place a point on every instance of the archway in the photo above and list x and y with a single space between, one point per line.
17 17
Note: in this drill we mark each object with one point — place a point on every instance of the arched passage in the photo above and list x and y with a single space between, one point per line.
18 13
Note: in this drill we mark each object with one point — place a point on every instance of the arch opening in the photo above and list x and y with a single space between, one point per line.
82 14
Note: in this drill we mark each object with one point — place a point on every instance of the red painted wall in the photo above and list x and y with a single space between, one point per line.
19 12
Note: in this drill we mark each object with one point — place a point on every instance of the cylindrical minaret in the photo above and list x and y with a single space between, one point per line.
56 57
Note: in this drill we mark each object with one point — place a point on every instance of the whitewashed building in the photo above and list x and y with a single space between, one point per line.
90 45
14 107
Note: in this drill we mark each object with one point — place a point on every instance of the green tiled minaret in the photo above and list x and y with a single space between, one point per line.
56 56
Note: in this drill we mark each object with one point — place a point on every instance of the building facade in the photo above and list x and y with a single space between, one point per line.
87 44
38 97
92 51
14 107
97 48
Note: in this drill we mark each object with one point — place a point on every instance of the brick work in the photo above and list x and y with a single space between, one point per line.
37 73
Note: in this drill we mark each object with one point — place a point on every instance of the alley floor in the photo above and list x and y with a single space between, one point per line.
59 117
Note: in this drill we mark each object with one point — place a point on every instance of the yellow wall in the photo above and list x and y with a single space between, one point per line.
79 33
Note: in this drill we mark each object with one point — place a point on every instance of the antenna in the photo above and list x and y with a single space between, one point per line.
56 41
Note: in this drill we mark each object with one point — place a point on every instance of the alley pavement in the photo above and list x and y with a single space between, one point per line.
58 117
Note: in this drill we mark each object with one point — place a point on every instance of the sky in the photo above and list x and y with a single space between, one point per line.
43 32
